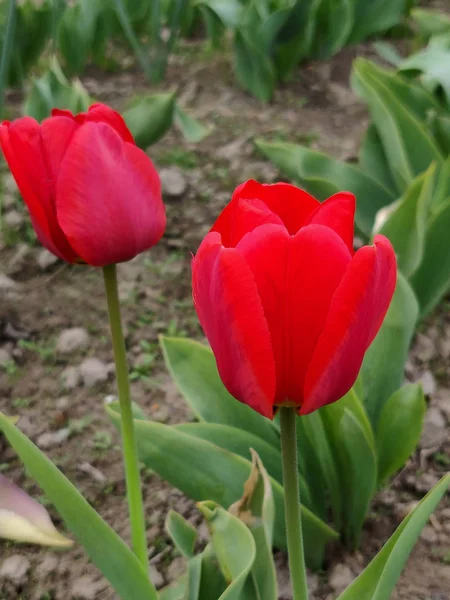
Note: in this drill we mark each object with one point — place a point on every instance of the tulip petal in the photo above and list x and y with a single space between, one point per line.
241 216
293 205
230 312
108 193
338 213
27 155
99 113
356 314
297 277
22 519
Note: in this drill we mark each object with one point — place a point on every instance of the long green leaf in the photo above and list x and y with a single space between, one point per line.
193 368
323 176
107 551
378 580
432 279
399 429
237 441
406 221
363 474
203 471
407 142
384 363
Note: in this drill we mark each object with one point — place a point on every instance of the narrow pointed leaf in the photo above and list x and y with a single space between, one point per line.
107 551
378 580
183 534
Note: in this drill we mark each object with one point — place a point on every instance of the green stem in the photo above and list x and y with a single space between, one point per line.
292 504
7 50
132 475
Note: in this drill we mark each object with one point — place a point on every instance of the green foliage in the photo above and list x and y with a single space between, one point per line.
271 38
338 445
53 90
204 470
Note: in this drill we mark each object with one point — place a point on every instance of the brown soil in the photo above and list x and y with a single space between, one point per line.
317 106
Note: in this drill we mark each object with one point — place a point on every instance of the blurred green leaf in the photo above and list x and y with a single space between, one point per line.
433 63
407 142
430 21
378 580
330 38
7 47
192 129
193 368
376 16
384 363
372 160
323 176
150 117
105 548
183 534
399 429
203 471
53 90
253 67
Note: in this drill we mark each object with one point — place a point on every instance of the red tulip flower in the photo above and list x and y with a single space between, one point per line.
92 194
288 307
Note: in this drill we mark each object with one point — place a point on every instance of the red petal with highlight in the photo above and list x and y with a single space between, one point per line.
109 201
356 313
338 213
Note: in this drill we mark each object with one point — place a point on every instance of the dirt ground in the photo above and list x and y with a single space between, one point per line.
61 403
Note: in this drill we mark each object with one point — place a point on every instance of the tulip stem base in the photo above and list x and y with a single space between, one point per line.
294 534
132 473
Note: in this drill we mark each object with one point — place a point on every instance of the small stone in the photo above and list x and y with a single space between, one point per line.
442 399
8 200
63 403
95 473
71 378
71 340
161 414
340 577
429 535
48 565
434 429
51 439
86 588
155 576
13 219
45 259
5 357
445 514
424 348
15 569
425 482
19 259
428 383
7 284
176 568
341 95
173 182
93 371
